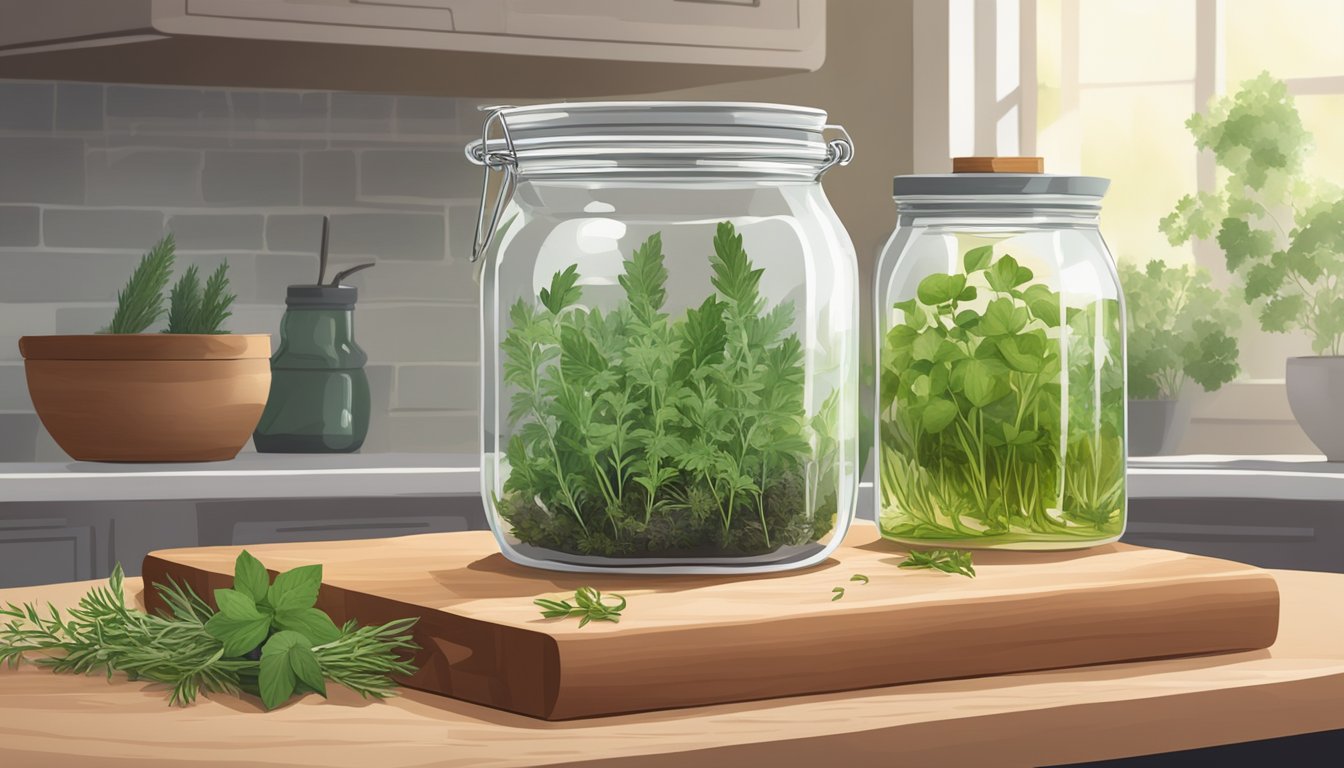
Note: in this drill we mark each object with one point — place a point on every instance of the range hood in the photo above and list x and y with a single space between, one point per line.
523 48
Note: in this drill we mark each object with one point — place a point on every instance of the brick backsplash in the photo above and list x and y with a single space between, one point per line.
91 175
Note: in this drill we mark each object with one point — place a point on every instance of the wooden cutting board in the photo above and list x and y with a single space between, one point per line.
693 640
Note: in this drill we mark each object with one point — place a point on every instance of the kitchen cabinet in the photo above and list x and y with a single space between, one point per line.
1270 511
49 548
463 47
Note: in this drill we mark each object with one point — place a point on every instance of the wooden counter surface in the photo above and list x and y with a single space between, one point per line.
1296 686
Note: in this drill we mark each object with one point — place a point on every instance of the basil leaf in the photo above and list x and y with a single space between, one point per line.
296 589
236 605
277 678
250 577
307 669
239 636
312 623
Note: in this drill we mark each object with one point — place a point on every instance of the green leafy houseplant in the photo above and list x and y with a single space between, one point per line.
267 639
637 433
1001 411
1177 329
1281 233
191 308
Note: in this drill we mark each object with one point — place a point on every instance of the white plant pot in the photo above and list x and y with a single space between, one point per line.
1316 394
1157 426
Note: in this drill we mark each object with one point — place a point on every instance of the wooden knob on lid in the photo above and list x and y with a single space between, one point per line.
998 165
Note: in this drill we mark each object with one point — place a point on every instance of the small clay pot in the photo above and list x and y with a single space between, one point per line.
151 396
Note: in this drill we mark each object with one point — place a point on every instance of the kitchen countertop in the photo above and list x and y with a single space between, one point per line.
1037 718
1296 478
250 475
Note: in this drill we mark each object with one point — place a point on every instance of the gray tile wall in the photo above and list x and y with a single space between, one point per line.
92 175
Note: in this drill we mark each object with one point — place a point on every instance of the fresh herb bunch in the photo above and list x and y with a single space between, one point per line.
588 606
639 434
140 302
267 639
952 561
1281 233
978 440
1177 328
190 308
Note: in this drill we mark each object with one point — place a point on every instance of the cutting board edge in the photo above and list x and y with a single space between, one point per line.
1250 610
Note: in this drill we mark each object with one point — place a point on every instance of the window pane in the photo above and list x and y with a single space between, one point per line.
1136 137
1290 38
1322 116
1126 41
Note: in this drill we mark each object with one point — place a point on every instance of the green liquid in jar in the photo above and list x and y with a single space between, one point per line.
1001 413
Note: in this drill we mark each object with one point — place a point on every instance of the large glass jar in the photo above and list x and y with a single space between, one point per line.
668 338
1001 359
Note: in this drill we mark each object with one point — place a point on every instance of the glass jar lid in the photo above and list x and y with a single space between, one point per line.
653 140
995 184
661 138
996 177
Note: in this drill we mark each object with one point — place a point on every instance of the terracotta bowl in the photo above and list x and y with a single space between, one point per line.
148 397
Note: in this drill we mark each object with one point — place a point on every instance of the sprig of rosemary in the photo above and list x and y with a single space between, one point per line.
284 646
140 302
945 560
192 309
588 606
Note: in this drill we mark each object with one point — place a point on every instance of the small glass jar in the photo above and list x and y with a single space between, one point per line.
1001 362
668 338
319 400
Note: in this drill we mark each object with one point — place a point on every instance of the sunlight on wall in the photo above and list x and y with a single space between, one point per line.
1290 38
1134 41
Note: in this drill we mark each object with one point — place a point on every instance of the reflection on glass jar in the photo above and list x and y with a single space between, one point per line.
669 338
1001 400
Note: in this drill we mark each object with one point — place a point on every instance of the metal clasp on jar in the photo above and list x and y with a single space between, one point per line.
504 159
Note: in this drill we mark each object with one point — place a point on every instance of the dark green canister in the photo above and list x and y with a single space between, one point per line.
319 401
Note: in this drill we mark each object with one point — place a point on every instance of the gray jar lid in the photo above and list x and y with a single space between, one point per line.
321 296
973 176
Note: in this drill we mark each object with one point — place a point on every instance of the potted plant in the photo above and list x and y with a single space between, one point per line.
1178 330
190 393
1282 235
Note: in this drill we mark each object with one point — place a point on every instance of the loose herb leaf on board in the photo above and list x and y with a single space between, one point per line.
588 605
945 560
